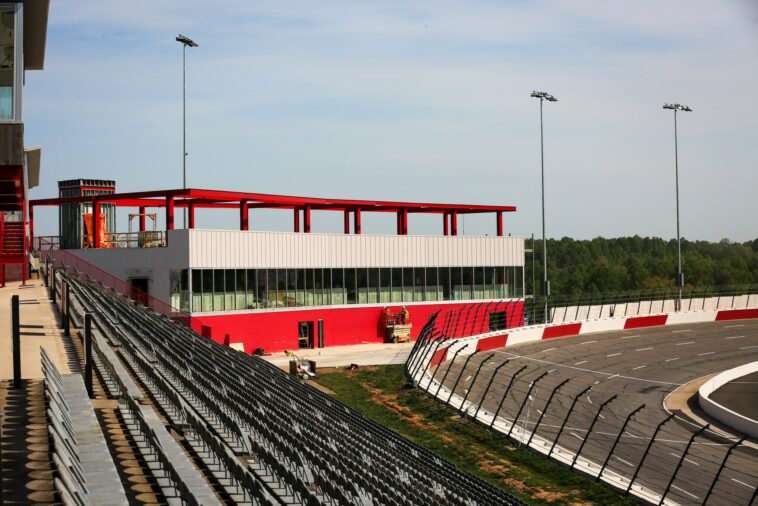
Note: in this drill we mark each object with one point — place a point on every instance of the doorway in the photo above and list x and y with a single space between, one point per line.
305 335
140 288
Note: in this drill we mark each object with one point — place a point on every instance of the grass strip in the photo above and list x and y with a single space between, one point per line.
380 393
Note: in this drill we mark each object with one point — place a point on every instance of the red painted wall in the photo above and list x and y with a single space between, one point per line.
645 321
491 343
561 331
276 330
736 314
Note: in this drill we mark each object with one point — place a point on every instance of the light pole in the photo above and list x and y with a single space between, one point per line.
184 41
545 283
679 273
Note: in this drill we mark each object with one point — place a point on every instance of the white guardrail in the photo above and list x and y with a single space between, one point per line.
731 418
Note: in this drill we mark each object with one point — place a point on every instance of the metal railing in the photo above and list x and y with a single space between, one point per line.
51 256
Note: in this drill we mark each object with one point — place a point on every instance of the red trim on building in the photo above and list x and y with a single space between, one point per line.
645 321
736 314
561 331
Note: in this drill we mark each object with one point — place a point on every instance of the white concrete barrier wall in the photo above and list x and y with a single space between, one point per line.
731 418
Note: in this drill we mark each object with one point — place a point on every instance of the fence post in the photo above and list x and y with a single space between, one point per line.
721 468
66 309
618 438
592 426
473 381
463 369
52 284
544 410
489 384
444 376
566 418
435 369
45 278
16 341
428 347
647 450
526 398
508 389
88 354
681 460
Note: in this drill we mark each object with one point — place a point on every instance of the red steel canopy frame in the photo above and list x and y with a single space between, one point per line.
192 198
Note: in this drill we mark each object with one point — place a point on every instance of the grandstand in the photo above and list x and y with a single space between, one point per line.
243 431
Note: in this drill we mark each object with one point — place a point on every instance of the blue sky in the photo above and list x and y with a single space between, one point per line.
414 100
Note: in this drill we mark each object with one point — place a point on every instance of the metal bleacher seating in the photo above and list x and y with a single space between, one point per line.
264 436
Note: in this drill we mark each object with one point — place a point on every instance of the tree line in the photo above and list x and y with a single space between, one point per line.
602 265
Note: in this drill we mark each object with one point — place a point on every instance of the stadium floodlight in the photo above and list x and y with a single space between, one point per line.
679 273
543 95
185 42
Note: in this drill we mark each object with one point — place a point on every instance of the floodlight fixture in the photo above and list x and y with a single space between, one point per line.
543 95
186 40
677 107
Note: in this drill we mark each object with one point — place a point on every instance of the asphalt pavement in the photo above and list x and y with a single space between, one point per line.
639 367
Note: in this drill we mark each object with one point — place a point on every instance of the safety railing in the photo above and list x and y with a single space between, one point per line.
49 253
632 448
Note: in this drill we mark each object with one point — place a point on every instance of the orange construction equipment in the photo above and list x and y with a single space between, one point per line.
102 233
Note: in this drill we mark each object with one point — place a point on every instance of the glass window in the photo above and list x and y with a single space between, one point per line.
207 290
328 299
291 288
218 289
444 280
457 283
7 61
397 284
310 297
385 285
231 289
281 288
350 286
338 287
418 283
263 300
197 290
467 280
318 287
251 300
478 282
407 284
433 289
373 285
184 290
489 283
241 302
497 320
361 281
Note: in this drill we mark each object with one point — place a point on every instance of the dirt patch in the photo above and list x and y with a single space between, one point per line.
390 402
544 495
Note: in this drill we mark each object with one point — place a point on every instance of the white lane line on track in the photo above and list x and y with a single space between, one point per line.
612 355
748 347
577 436
549 349
582 362
685 343
624 461
612 375
743 483
685 459
467 378
733 327
638 367
588 342
589 400
706 353
733 337
644 349
672 359
682 490
552 371
680 331
629 337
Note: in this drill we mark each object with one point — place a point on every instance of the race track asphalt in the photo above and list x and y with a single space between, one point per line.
640 366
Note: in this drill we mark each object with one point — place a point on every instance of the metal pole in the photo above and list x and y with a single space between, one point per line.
647 450
618 438
184 124
678 238
473 382
463 369
66 303
545 288
450 366
544 410
566 418
526 398
487 389
88 354
16 341
681 460
508 389
435 369
592 426
721 468
420 363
